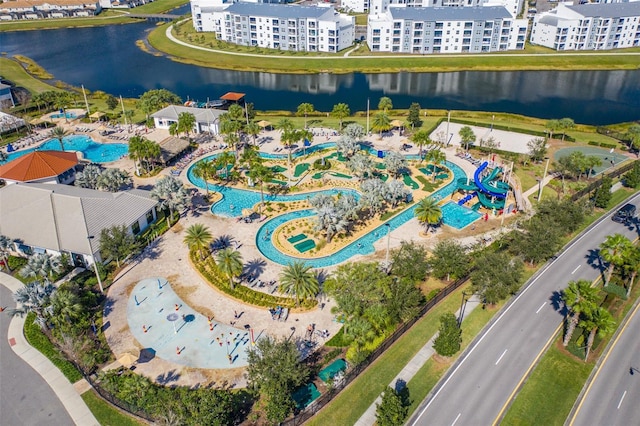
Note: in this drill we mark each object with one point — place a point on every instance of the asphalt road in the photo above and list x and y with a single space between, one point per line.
480 385
613 395
25 398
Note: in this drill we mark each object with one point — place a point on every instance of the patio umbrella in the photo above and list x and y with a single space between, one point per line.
264 123
397 123
247 212
127 359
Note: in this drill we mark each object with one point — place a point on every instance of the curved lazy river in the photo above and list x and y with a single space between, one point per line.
235 200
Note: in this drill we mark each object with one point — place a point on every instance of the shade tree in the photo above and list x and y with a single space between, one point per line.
172 195
449 260
116 242
395 163
496 276
537 149
449 338
467 136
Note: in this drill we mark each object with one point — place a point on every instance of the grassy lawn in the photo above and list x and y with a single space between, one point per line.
13 71
106 414
550 392
304 64
353 401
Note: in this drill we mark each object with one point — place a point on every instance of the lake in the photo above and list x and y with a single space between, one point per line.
107 59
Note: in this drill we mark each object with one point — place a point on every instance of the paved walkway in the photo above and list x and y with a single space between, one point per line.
410 370
65 391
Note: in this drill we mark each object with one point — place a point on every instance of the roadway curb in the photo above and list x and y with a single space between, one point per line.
64 390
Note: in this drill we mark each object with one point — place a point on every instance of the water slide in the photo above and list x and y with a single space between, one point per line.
482 184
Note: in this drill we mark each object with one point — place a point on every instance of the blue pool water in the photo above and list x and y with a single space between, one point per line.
458 216
60 115
92 151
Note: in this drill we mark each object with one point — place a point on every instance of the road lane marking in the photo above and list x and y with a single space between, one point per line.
577 267
540 308
605 357
505 351
619 403
454 422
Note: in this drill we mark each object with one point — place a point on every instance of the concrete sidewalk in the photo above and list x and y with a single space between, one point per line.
65 391
410 370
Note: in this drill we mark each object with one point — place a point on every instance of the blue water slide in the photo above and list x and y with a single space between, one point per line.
467 198
479 184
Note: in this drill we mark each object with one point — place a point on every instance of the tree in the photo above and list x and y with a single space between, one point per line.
602 196
186 122
66 309
275 371
436 157
3 156
428 212
223 161
128 117
489 144
304 109
143 151
449 259
553 126
252 129
374 195
396 192
230 263
579 297
34 297
395 163
88 177
198 238
330 220
591 162
113 179
261 174
612 251
413 117
631 179
496 276
354 131
385 104
421 139
6 244
360 165
633 134
449 338
204 169
347 146
381 122
297 279
172 195
410 261
566 124
598 321
59 133
341 111
537 241
284 124
156 99
112 102
116 242
42 265
391 411
631 265
467 136
537 149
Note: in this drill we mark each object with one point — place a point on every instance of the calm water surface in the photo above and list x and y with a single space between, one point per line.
106 58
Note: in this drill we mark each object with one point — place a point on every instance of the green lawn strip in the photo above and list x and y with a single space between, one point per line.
105 413
550 391
13 71
41 342
353 401
300 169
429 374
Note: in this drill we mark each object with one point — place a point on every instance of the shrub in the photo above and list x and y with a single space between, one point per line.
594 143
607 145
450 336
16 263
317 165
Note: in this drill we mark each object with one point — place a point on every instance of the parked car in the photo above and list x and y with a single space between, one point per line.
624 213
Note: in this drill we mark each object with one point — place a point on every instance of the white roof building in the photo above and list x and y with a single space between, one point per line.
379 6
426 30
207 119
588 27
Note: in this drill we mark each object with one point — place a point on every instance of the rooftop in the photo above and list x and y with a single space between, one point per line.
449 13
607 10
277 10
38 165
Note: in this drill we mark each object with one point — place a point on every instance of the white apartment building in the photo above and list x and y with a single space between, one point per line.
278 26
379 6
588 27
426 30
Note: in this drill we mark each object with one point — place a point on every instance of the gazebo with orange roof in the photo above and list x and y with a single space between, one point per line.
234 97
41 167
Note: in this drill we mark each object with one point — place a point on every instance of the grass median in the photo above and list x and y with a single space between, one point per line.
106 414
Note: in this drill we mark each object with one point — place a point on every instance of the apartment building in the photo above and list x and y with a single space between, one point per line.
426 30
601 26
380 6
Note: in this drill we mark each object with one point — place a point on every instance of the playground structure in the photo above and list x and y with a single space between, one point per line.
490 190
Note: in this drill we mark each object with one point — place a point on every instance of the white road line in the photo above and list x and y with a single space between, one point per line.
540 308
454 422
505 351
621 399
577 267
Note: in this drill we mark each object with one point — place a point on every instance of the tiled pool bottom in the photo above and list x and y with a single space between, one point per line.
457 216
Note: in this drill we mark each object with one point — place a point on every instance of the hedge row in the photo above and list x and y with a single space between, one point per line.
507 128
210 271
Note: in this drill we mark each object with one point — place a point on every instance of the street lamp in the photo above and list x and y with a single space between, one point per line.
95 266
463 305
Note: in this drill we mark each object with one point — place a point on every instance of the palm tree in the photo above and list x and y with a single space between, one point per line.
297 279
186 121
172 195
88 177
112 179
467 136
436 156
261 174
631 265
566 124
385 104
198 238
42 265
305 109
360 165
553 126
205 170
599 321
252 129
612 251
381 122
341 111
428 212
66 307
395 163
421 139
34 297
230 263
284 124
6 244
579 298
59 133
223 161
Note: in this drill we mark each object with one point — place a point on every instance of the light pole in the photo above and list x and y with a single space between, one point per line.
546 167
463 305
493 116
95 266
448 121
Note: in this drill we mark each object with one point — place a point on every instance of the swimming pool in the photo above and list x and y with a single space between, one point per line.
61 115
457 216
91 150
